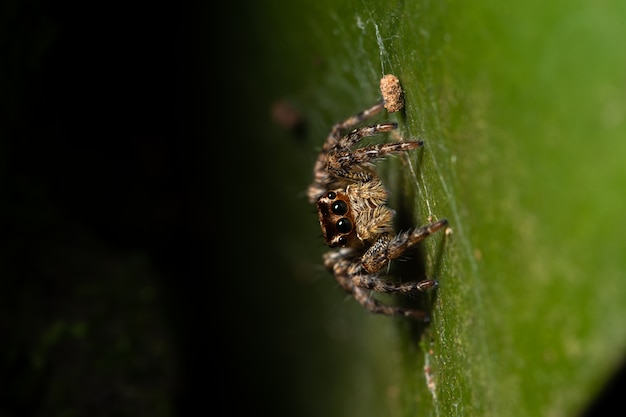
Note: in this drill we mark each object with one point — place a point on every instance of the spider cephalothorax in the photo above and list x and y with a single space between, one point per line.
354 216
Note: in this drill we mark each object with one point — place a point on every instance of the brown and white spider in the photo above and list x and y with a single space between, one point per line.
355 219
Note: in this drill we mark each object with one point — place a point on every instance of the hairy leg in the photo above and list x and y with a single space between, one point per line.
342 165
324 179
365 299
349 275
338 129
387 248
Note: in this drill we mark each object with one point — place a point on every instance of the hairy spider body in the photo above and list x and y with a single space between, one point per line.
355 219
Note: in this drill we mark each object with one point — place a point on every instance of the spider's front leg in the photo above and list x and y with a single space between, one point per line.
363 276
387 248
347 271
375 259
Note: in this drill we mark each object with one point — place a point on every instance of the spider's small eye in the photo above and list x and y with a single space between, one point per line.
344 225
339 207
342 241
331 194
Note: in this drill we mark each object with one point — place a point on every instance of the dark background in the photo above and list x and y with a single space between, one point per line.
105 216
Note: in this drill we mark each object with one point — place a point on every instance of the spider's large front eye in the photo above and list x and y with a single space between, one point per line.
344 225
339 207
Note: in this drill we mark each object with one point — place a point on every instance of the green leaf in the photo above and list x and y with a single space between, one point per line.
521 107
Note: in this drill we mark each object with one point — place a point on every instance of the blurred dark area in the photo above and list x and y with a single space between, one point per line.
608 402
104 208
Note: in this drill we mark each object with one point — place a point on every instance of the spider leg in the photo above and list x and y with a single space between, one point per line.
387 248
342 165
355 135
365 299
337 130
336 163
403 241
375 283
322 178
349 275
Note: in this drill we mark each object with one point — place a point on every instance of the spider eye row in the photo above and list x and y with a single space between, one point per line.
343 225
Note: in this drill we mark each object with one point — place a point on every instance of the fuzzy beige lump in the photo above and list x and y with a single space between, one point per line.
392 93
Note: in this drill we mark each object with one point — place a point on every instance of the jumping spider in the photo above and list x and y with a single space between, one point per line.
355 220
